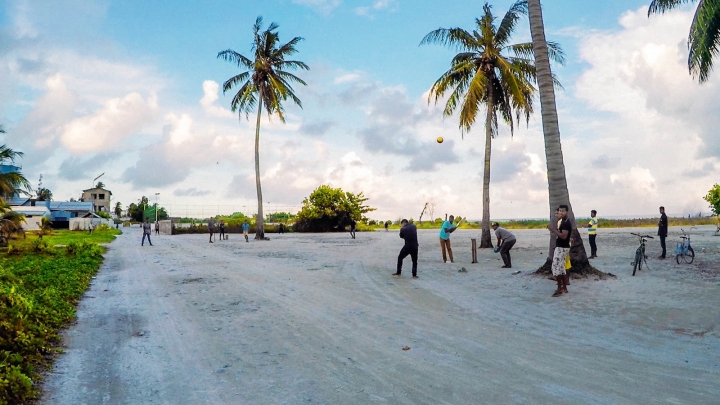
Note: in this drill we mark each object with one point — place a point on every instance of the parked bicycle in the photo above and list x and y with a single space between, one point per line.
640 256
684 251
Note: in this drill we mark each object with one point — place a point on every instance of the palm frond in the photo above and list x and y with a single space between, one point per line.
229 55
292 64
509 22
661 6
453 37
704 38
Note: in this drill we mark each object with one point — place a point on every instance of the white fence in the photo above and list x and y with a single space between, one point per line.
83 224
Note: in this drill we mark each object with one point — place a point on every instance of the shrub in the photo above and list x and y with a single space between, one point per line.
39 246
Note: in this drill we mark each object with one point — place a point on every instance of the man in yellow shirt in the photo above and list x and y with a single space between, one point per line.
592 233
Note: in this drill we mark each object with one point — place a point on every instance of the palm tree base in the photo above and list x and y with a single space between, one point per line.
578 270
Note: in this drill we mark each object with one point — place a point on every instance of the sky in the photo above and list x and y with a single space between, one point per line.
133 89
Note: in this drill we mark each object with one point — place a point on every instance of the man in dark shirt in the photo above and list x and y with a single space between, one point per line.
211 228
409 233
353 225
662 230
562 249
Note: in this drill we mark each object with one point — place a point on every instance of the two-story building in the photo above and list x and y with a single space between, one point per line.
98 196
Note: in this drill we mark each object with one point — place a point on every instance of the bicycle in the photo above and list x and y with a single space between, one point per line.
683 249
640 256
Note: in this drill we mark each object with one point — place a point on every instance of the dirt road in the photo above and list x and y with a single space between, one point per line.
317 319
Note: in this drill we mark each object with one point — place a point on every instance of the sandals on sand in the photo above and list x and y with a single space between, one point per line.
557 293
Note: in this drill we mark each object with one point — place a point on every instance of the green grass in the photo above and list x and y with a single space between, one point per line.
66 237
40 287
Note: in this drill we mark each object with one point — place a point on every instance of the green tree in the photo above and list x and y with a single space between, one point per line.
557 182
44 194
10 223
100 184
11 183
488 71
704 36
330 209
713 198
266 83
118 208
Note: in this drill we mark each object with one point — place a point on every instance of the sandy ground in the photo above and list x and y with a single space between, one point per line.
317 319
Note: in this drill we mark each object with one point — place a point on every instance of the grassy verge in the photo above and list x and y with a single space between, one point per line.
40 287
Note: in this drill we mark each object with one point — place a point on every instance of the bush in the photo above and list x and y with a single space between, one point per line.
102 227
38 296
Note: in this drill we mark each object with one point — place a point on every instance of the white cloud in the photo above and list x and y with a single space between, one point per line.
104 130
210 96
323 6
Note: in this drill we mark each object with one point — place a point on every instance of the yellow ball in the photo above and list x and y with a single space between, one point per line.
439 140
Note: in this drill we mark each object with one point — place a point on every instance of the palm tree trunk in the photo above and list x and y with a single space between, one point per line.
259 223
485 239
557 182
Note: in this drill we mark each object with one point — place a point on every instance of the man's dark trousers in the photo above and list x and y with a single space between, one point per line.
593 246
662 243
404 252
505 251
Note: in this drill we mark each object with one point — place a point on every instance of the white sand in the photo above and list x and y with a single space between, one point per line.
317 319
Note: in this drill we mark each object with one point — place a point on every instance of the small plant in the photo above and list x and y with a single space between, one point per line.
102 227
39 246
45 227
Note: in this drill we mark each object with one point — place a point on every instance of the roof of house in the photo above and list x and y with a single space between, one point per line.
71 205
100 189
26 210
54 205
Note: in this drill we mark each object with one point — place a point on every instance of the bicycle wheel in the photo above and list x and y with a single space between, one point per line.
690 256
677 257
638 260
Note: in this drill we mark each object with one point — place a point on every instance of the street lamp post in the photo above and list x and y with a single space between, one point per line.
156 206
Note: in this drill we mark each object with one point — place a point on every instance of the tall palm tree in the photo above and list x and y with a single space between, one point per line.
557 182
266 83
704 37
118 208
488 71
13 182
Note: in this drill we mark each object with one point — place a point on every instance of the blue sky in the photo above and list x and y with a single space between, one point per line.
130 88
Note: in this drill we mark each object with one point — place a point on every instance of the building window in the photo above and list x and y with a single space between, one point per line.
94 196
102 196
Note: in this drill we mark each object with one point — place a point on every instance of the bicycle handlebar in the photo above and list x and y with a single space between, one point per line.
642 236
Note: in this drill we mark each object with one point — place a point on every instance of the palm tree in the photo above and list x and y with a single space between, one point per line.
44 194
100 184
13 182
118 208
10 223
266 83
704 37
557 182
488 71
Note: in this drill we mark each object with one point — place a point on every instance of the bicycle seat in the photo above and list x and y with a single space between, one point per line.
685 237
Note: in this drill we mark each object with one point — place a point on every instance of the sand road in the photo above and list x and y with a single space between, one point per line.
317 319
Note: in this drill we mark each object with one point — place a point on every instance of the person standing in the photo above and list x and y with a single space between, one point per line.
281 228
211 228
221 225
246 229
592 233
387 223
662 230
147 231
505 241
445 230
353 224
157 227
409 233
562 248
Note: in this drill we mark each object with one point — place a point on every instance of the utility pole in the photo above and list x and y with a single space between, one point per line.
156 206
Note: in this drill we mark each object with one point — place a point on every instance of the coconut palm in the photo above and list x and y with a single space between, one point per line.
44 194
704 37
13 182
488 71
557 182
266 83
118 209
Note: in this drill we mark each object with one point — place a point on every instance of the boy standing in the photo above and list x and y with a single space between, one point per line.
592 233
562 248
662 230
211 228
409 233
147 231
246 229
445 230
222 229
